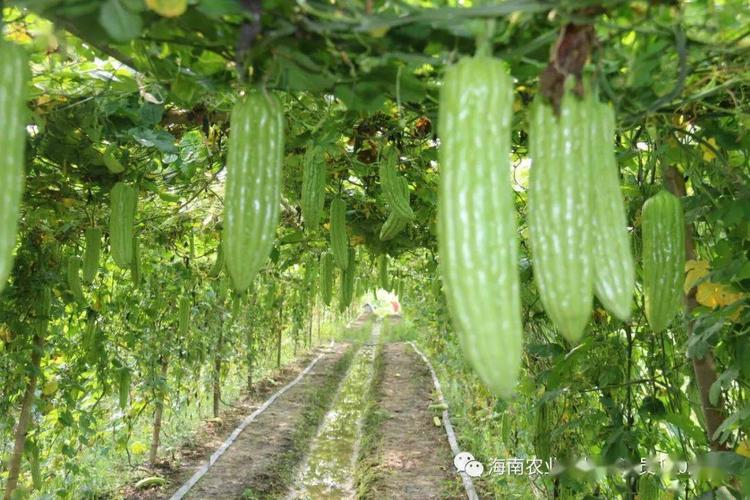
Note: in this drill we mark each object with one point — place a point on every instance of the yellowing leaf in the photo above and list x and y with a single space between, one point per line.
168 8
138 448
743 449
50 387
709 294
695 269
17 33
715 295
708 153
5 334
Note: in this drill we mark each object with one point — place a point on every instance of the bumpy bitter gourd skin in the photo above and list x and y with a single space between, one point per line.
392 226
383 271
395 223
123 206
253 186
477 235
326 277
74 280
559 214
395 187
339 236
14 72
313 188
614 269
218 263
93 237
663 227
347 281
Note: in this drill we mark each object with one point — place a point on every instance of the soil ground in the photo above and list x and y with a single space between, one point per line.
210 436
409 455
412 453
252 456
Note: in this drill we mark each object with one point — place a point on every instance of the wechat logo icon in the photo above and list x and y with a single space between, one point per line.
465 462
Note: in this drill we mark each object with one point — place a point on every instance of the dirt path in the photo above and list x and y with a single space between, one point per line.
329 468
412 454
245 464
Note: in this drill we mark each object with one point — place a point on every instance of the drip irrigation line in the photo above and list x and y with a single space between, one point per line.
471 493
185 488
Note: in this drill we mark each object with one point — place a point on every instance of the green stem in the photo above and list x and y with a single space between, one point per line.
484 38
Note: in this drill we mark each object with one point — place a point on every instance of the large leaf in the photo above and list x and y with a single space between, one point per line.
120 23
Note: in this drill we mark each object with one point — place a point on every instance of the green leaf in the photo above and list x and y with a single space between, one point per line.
723 381
134 5
219 8
731 422
119 22
151 114
163 141
210 63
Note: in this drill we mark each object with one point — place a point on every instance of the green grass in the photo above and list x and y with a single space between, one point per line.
367 462
282 474
400 331
356 335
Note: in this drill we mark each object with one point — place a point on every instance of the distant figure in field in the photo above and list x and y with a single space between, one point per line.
396 306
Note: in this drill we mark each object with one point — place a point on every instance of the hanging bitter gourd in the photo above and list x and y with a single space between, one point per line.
559 213
123 206
392 226
93 237
393 185
14 73
313 188
338 234
663 236
347 281
383 271
253 185
395 223
614 269
74 279
542 429
476 219
218 263
123 386
326 277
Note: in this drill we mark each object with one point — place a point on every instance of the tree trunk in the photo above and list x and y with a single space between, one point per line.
704 368
159 412
24 419
217 372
